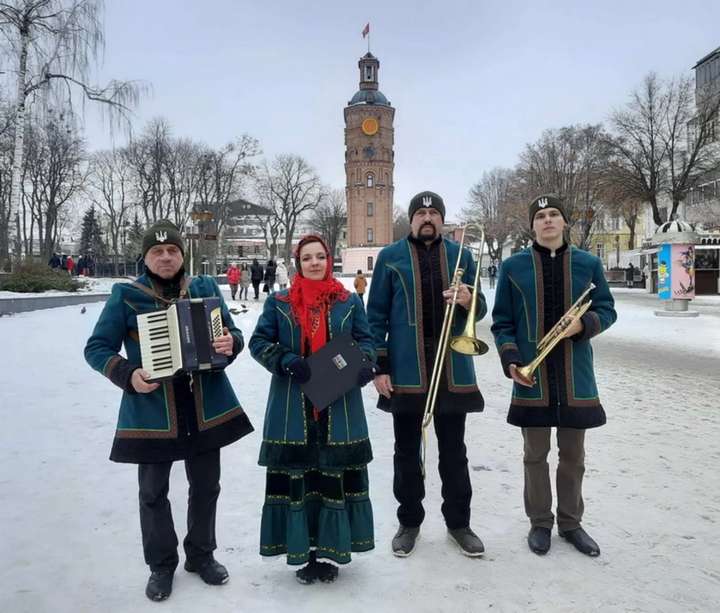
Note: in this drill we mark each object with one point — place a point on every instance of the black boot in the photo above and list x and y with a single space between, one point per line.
582 541
210 571
309 573
468 542
159 585
326 572
403 543
539 540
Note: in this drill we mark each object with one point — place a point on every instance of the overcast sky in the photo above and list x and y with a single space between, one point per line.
471 82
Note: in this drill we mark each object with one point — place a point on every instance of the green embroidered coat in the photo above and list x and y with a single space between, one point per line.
396 318
518 324
275 342
147 427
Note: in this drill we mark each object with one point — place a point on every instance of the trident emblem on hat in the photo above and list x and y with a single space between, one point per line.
542 203
161 237
427 201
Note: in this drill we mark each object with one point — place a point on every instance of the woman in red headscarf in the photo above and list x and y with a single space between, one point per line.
317 501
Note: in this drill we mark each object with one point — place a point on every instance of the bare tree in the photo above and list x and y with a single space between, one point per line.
569 162
490 198
401 224
221 178
147 156
291 188
689 134
330 217
53 172
6 153
55 43
270 225
639 149
109 188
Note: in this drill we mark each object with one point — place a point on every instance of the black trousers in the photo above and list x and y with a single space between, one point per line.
256 287
156 523
408 482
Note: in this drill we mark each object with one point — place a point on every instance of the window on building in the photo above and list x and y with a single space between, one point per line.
370 179
370 209
368 73
370 263
600 251
370 235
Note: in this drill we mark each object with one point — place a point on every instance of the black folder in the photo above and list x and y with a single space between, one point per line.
334 370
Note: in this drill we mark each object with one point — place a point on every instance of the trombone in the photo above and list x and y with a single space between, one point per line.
558 332
466 343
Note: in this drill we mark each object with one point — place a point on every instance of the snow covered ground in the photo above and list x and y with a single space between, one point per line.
70 527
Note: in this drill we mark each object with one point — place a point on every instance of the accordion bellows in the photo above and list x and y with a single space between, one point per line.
179 339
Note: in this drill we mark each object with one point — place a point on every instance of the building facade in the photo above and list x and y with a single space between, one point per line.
369 166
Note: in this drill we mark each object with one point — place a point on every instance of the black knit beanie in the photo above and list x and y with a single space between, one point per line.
547 201
426 200
163 232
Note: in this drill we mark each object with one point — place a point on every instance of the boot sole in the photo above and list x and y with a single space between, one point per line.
465 553
197 572
590 554
399 553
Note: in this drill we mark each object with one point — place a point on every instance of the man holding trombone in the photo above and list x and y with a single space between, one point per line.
408 295
543 323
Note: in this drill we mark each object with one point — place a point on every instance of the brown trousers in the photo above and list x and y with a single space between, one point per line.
570 471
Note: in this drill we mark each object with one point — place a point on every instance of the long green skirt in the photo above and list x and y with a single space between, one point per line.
325 510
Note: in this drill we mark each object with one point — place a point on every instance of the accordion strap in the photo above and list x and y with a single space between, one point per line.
186 280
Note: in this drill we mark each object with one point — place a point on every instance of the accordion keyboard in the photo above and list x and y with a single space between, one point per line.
159 347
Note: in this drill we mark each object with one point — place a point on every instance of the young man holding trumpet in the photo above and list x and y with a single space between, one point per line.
540 292
409 290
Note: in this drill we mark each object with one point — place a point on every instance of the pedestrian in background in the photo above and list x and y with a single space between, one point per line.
244 281
233 277
360 284
256 277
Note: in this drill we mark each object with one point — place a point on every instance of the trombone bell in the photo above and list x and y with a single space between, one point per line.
468 345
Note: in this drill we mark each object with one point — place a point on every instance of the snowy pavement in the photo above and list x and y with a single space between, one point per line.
70 527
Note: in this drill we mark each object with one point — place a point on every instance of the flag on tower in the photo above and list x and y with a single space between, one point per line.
366 29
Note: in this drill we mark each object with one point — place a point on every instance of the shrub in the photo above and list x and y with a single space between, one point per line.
33 277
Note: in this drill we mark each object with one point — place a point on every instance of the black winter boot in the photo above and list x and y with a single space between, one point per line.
539 540
159 585
403 543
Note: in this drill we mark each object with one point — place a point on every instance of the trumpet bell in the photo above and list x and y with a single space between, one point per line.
468 345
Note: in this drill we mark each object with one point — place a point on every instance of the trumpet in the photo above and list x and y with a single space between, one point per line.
466 343
558 332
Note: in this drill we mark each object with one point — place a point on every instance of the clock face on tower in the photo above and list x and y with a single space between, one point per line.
369 152
370 126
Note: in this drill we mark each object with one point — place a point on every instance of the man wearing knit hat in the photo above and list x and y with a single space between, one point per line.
189 417
535 288
408 294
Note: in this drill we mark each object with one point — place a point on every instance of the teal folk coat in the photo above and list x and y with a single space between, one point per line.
396 319
148 422
275 342
518 324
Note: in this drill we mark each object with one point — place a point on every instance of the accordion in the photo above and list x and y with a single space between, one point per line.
180 338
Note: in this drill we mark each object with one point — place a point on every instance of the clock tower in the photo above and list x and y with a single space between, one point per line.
369 164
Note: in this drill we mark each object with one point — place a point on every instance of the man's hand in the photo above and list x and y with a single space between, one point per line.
139 383
383 385
576 327
464 296
518 378
224 344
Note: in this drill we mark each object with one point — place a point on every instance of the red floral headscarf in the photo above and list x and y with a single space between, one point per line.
310 299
